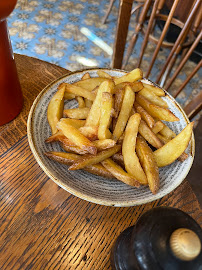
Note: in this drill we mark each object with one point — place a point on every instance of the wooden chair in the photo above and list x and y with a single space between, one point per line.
187 40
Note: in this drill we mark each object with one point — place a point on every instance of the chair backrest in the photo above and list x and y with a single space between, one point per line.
186 42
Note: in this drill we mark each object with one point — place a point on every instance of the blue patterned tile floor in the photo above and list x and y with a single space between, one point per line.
71 34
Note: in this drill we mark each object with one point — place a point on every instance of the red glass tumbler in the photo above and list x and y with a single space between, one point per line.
11 99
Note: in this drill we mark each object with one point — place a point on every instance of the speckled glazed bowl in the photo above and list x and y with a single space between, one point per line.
93 188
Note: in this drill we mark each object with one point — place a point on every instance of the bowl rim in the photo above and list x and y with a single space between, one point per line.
76 192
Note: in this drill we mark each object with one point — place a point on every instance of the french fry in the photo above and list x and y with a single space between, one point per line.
127 104
148 163
167 132
79 91
74 122
118 158
130 158
69 96
158 126
94 114
149 135
135 86
93 159
55 109
153 98
90 132
118 100
165 140
174 148
77 123
81 102
104 144
103 74
88 103
73 149
132 76
105 116
77 113
55 137
156 90
144 115
85 76
119 173
90 84
69 158
76 137
155 110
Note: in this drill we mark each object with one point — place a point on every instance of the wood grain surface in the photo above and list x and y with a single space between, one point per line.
41 225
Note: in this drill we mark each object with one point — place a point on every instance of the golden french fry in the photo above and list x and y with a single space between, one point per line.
156 90
74 135
105 116
174 148
153 98
85 76
73 149
81 102
118 158
158 126
88 103
90 84
148 163
69 96
77 113
135 86
93 159
94 114
77 123
104 144
127 104
55 109
155 110
119 173
90 132
103 74
132 76
149 135
69 158
165 140
144 115
79 91
130 158
167 132
55 137
118 100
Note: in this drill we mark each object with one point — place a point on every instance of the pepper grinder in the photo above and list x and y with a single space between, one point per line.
163 238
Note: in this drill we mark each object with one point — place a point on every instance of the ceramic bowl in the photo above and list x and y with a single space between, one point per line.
84 185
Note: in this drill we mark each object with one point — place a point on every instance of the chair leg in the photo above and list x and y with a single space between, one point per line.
108 11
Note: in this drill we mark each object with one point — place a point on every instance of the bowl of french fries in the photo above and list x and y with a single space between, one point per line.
111 137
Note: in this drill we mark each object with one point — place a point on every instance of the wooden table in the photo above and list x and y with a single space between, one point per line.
41 225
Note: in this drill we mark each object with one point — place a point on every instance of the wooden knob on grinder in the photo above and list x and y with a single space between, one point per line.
185 244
